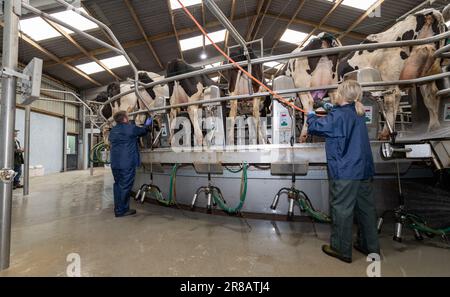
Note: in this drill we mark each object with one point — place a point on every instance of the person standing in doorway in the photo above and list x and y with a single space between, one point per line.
350 172
125 158
18 160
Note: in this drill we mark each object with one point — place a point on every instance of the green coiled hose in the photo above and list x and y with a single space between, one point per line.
243 194
95 155
305 205
419 224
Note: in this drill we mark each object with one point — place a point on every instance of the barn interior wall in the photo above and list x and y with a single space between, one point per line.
47 124
46 140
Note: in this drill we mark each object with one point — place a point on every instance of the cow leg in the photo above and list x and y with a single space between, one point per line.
307 103
172 118
257 117
390 105
232 121
432 102
194 116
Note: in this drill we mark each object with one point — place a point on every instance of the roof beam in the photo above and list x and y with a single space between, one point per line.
142 31
181 32
139 42
361 18
80 48
255 18
277 40
172 20
259 23
324 19
90 12
54 57
331 29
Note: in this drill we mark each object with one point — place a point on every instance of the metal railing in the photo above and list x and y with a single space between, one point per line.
312 53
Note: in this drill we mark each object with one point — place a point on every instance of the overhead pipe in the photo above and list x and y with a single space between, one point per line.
217 12
312 53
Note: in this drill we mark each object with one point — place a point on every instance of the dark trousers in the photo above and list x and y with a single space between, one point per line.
18 169
123 182
348 198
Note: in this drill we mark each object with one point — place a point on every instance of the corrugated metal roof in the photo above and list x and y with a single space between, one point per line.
156 21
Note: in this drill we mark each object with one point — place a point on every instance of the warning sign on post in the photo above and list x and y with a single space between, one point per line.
369 114
447 112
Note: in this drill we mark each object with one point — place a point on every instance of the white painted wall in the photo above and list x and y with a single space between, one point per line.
46 141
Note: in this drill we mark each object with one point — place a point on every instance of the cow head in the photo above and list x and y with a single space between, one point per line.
113 89
328 40
106 112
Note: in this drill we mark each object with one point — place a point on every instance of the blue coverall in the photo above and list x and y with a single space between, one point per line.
350 171
125 159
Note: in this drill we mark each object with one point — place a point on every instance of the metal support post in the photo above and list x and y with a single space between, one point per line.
7 118
26 163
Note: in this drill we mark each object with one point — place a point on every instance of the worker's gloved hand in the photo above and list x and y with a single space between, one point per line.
328 106
148 122
311 113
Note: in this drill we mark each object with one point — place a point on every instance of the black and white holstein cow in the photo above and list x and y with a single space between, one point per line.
239 84
129 102
187 90
311 72
404 63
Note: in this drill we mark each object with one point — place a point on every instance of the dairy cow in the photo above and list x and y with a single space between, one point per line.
314 72
404 63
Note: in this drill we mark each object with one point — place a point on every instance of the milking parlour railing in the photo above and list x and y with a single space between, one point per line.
441 53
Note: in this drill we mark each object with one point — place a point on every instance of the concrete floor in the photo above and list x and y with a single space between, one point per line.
72 213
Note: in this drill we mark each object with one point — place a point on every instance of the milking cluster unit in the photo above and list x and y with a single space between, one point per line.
283 168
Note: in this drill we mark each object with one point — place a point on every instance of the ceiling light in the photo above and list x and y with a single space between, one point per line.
203 56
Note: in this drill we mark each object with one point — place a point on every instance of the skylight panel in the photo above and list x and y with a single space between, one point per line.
90 68
115 62
175 5
75 20
38 29
197 41
359 4
215 78
111 63
295 37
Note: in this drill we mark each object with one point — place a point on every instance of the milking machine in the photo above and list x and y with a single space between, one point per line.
283 132
155 191
405 218
99 154
437 151
210 188
213 194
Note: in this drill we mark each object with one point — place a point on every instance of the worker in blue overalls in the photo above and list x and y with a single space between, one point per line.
125 158
350 172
